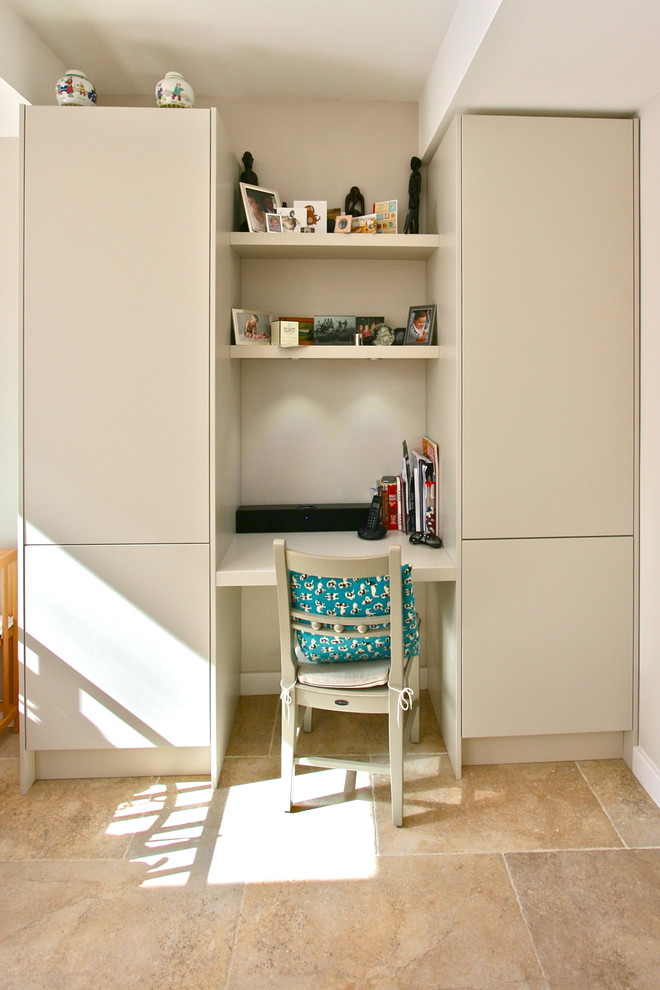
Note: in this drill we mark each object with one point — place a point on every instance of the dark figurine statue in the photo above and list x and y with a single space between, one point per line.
247 175
354 205
414 189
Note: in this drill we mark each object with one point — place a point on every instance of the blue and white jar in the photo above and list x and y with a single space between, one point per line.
75 90
174 91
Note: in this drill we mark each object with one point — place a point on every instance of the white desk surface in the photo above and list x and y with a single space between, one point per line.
249 560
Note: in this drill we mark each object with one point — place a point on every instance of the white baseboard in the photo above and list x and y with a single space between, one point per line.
647 773
268 682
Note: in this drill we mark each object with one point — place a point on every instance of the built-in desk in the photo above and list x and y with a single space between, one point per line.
249 561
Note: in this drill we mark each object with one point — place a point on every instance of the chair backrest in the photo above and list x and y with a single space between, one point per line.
334 609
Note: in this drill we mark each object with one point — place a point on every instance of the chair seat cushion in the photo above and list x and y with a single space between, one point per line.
351 597
351 674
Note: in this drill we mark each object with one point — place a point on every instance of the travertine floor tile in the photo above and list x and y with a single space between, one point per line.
632 812
492 809
9 744
96 927
253 727
330 833
421 923
594 916
337 733
71 819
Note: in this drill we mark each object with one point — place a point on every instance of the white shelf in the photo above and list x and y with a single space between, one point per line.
320 352
249 561
383 247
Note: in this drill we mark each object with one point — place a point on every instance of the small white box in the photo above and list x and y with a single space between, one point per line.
284 333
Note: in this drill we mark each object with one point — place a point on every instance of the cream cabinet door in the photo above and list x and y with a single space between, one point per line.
117 647
548 334
547 636
116 325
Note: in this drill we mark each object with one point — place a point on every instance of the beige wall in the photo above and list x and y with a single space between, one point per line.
319 150
8 340
649 704
28 65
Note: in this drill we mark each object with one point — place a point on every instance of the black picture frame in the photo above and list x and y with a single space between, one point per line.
420 327
334 330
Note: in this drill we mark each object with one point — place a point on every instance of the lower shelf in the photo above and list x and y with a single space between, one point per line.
317 352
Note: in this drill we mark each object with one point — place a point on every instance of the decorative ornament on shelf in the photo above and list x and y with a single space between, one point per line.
174 91
75 90
411 225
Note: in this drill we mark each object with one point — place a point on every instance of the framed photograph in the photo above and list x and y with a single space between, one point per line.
343 224
334 329
251 327
257 202
366 327
421 323
273 223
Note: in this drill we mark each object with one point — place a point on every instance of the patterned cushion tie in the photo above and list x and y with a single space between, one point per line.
331 598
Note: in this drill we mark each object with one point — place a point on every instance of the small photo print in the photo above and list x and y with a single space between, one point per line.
366 326
343 224
334 329
251 327
273 223
421 320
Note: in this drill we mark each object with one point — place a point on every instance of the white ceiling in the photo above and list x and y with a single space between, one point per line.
317 49
582 56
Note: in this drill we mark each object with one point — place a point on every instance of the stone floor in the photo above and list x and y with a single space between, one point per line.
535 876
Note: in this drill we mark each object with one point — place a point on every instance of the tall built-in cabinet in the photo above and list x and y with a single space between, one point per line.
536 283
143 429
117 419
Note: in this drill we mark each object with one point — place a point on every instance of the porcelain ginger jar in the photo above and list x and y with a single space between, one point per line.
75 90
174 91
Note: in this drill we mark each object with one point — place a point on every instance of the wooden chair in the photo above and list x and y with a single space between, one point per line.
9 636
349 642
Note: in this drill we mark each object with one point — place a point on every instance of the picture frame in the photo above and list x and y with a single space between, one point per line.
257 202
334 330
273 223
420 326
251 326
366 325
343 223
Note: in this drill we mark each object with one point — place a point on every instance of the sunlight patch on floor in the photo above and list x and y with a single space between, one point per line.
329 835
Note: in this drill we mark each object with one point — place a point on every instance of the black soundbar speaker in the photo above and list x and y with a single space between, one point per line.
312 518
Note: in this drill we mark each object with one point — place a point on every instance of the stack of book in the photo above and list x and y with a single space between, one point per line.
411 499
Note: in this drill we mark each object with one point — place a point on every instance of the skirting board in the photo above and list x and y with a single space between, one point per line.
647 773
168 761
543 749
268 682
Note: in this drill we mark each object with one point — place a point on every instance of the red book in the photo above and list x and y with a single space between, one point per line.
388 489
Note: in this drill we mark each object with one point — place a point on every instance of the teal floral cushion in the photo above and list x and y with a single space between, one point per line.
351 597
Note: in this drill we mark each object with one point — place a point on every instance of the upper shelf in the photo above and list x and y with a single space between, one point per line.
387 247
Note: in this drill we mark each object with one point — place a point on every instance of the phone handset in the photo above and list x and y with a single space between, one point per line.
373 529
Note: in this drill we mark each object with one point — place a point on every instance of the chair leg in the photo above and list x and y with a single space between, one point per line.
396 762
414 684
307 719
289 733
